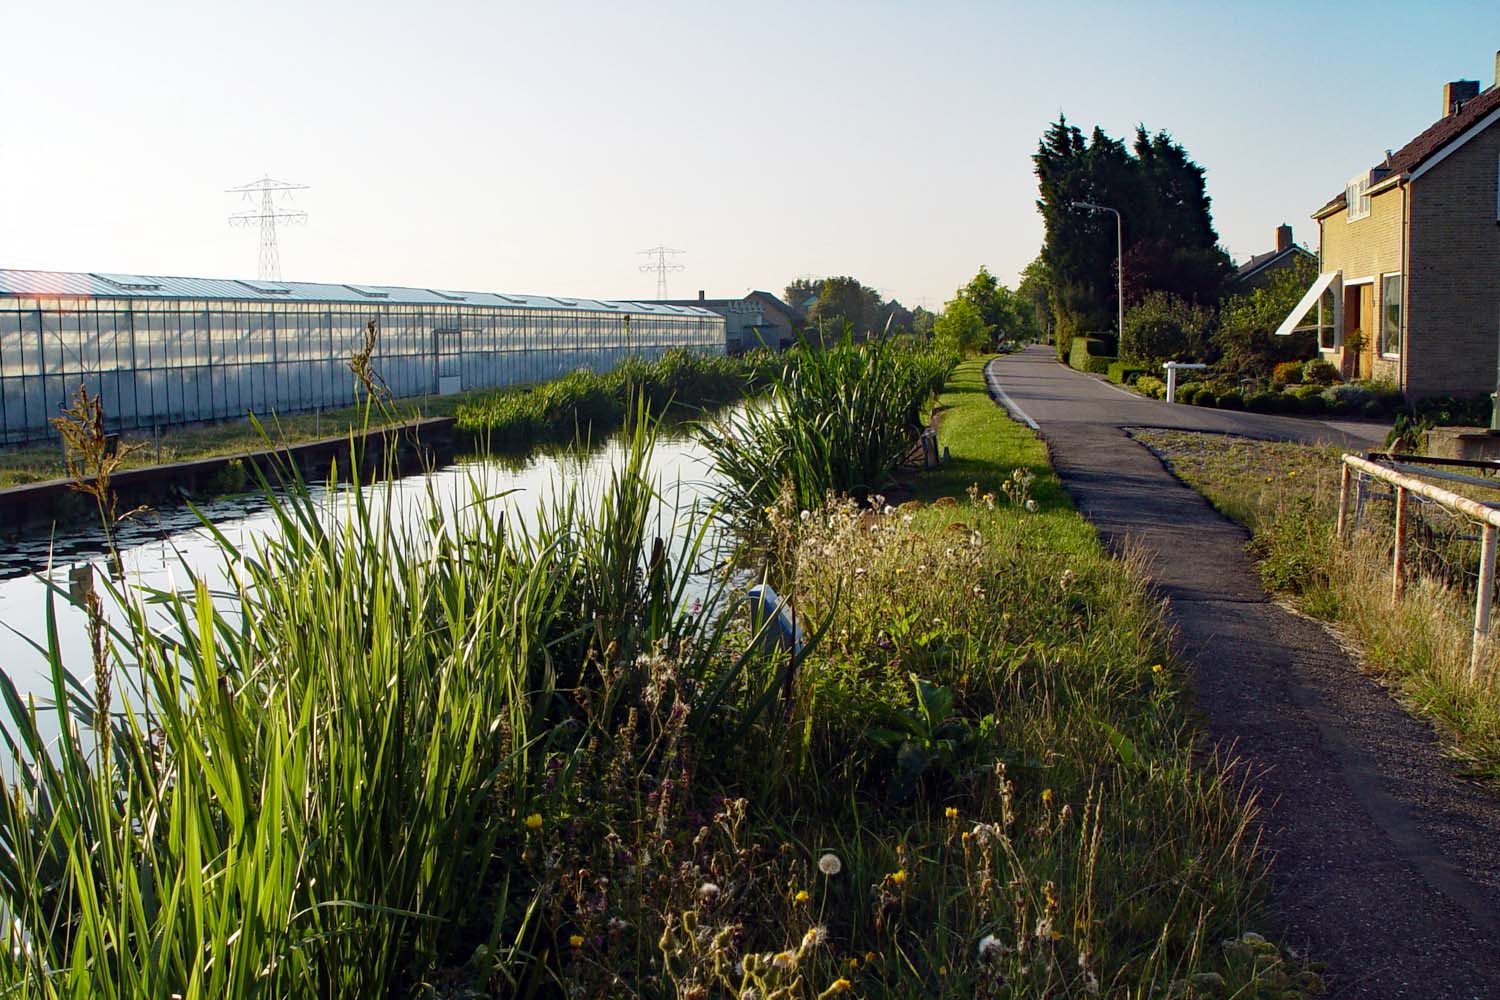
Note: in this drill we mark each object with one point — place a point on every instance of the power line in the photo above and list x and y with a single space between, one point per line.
267 215
661 266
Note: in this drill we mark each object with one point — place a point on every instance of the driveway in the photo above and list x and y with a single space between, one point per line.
1386 864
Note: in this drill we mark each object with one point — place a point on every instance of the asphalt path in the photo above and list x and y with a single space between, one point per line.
1386 864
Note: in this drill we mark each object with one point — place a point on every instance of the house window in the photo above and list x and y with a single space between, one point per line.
1390 315
1356 199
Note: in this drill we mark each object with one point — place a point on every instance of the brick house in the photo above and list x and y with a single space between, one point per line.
1408 254
1258 270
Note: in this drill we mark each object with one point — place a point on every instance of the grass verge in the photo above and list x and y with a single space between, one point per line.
453 756
1287 495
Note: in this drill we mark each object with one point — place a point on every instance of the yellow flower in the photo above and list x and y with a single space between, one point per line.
951 812
576 940
1046 796
839 985
1291 473
801 896
1156 669
534 821
853 963
898 877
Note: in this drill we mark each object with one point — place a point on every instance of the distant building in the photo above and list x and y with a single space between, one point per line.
760 319
1257 271
159 350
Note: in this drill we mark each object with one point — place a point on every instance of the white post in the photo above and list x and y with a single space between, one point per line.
1483 600
1171 368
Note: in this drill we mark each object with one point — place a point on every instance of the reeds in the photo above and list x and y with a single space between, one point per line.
835 421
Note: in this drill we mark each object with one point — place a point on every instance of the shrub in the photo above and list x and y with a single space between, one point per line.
1312 405
1164 328
1231 401
1265 402
1286 373
1305 392
1319 372
1092 354
1455 411
1347 398
1150 385
1205 397
1124 373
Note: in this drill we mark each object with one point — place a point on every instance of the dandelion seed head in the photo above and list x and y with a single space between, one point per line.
829 864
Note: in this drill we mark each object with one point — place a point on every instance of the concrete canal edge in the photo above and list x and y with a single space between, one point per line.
37 505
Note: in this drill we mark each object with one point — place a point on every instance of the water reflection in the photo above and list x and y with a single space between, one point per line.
161 549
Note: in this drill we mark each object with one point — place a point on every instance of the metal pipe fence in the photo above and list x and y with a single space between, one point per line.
1434 529
159 362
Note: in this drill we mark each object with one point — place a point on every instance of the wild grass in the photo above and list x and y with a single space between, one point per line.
586 405
451 756
1287 494
836 420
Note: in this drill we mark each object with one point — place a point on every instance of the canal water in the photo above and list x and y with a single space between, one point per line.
159 548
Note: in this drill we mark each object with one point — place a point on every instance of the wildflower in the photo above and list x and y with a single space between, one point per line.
815 936
990 948
1068 576
785 960
853 963
829 864
534 821
576 940
951 812
708 892
1156 668
839 985
898 877
869 957
801 896
1046 796
1044 931
1031 506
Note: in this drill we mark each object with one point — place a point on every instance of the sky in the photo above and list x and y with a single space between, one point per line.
537 147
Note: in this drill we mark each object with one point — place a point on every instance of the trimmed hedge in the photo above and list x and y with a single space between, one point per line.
1126 372
1092 354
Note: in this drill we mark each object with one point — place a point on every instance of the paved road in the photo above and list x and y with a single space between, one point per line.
1387 865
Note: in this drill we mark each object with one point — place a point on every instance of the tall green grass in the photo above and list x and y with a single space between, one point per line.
835 421
320 793
588 405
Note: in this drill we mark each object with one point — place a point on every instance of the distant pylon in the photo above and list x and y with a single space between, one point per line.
661 267
266 215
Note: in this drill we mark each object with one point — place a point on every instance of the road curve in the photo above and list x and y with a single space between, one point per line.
1386 864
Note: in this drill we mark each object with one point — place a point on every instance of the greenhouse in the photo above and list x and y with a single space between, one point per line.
162 351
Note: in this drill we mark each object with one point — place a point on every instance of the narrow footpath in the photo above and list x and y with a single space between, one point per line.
1386 864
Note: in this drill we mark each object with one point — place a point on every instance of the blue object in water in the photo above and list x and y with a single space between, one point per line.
782 631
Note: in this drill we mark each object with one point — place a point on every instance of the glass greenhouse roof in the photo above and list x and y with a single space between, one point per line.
55 284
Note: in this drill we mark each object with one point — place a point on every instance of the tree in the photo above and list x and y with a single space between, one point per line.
896 318
1035 292
1164 327
1001 309
1167 224
844 301
799 290
1246 339
922 321
961 328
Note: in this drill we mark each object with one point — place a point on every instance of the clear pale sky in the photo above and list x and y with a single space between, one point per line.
535 147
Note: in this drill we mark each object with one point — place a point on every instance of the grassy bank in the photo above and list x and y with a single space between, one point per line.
507 418
1287 495
452 756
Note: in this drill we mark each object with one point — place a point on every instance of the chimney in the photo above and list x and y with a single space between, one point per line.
1459 92
1497 69
1283 237
700 295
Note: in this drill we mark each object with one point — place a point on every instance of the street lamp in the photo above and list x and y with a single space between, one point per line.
1119 259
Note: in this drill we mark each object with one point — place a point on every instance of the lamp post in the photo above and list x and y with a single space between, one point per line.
1119 260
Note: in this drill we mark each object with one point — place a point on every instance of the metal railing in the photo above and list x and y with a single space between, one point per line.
1398 474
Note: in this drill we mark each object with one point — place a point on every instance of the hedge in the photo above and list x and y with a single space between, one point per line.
1092 354
1126 372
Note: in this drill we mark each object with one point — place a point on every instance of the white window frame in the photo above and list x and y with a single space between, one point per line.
1356 201
1400 320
